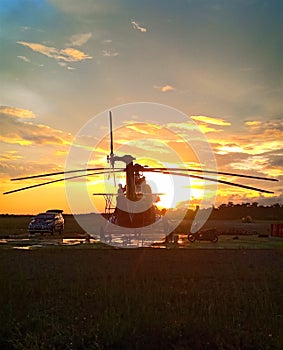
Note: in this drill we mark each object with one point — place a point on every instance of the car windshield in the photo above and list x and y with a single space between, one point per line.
45 216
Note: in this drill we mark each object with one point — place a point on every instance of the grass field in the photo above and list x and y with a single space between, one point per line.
207 296
65 298
18 225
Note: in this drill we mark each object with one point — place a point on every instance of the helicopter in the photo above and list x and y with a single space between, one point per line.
135 208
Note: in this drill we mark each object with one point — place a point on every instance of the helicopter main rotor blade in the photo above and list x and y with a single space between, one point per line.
213 172
58 180
61 173
215 180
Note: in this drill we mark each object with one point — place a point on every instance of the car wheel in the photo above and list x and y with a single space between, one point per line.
214 239
191 237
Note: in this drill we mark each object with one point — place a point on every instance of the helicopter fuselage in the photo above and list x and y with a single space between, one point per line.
134 208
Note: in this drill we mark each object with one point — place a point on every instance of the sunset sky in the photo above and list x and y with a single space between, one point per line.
63 62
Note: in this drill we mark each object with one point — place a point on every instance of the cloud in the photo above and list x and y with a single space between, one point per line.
45 143
259 141
66 55
138 27
208 129
253 124
210 120
260 126
260 138
20 166
150 148
64 64
227 195
143 128
165 88
275 158
110 53
72 55
229 149
79 39
24 58
16 112
190 127
10 155
16 131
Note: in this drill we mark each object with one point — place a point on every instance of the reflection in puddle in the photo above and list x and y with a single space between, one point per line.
28 247
22 248
77 241
33 243
116 239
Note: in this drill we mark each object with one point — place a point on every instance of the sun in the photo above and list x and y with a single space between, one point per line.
161 185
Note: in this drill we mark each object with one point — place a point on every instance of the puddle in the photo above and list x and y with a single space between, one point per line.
122 241
22 248
33 243
77 241
28 247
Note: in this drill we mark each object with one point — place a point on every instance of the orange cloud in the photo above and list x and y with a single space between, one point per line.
167 88
17 112
73 55
210 120
253 123
16 131
142 128
66 55
187 127
261 136
229 149
10 155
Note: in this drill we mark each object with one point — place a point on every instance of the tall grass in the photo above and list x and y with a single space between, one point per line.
14 224
141 299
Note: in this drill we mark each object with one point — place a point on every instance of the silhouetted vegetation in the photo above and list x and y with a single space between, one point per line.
233 211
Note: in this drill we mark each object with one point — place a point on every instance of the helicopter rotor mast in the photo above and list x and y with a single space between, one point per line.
130 170
130 182
111 135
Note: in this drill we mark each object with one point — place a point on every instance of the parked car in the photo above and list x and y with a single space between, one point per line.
205 235
51 221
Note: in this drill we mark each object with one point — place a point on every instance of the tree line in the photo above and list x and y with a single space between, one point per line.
231 211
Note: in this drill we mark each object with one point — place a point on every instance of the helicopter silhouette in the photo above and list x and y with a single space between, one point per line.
135 203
